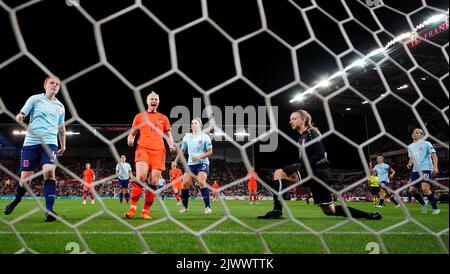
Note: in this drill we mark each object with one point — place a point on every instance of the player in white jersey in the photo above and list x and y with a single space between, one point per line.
125 174
422 158
199 148
384 172
46 124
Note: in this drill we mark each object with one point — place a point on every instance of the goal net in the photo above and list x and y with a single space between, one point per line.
369 72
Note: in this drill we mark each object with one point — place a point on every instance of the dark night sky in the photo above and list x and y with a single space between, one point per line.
63 40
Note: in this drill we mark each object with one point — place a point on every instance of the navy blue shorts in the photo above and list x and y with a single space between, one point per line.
123 183
196 169
374 190
30 156
415 176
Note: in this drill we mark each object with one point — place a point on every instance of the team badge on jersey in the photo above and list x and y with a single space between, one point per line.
58 110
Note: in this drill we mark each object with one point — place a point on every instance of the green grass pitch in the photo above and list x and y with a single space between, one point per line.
105 234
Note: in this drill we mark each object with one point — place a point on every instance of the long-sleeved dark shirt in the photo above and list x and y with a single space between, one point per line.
315 151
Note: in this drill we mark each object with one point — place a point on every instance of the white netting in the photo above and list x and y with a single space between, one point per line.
376 59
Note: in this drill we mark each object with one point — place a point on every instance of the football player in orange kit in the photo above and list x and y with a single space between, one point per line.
176 179
150 154
88 178
215 192
252 187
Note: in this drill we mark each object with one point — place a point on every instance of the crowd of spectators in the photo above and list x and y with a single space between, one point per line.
69 184
221 171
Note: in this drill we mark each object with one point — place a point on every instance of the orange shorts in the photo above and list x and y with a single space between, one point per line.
252 188
87 186
177 184
156 159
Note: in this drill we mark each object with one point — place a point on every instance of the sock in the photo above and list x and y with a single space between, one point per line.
432 200
278 186
381 203
149 198
419 198
20 192
91 195
205 195
120 197
84 195
136 193
49 193
177 197
185 197
127 197
353 211
393 200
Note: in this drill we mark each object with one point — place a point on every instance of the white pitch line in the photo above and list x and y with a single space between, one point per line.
210 232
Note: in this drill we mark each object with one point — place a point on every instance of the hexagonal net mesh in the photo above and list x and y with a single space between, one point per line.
424 22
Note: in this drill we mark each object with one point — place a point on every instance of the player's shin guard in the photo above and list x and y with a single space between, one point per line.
120 197
127 197
85 194
149 198
339 211
419 198
177 197
432 200
49 194
205 195
185 197
381 202
136 193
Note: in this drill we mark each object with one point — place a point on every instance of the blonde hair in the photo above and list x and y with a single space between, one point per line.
199 121
51 77
420 130
151 94
308 120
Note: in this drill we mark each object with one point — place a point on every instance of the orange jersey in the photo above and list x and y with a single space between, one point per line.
215 186
175 174
88 175
175 177
150 138
252 178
